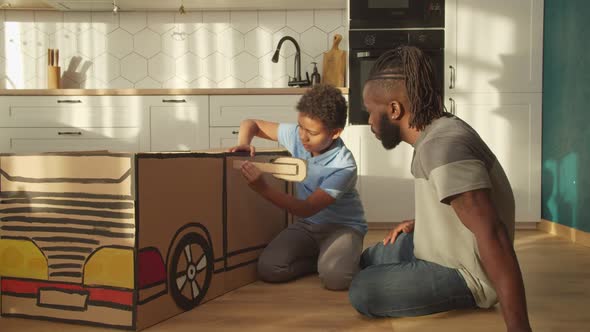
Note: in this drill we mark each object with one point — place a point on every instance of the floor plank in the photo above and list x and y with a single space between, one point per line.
556 273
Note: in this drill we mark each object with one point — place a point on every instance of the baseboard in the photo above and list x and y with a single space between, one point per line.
574 235
526 225
377 226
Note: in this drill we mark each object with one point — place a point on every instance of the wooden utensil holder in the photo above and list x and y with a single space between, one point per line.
53 77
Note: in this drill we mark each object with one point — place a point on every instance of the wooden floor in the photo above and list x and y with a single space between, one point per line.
556 273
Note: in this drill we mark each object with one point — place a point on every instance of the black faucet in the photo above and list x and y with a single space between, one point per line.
296 81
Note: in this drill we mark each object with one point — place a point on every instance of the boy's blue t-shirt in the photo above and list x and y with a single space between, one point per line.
334 171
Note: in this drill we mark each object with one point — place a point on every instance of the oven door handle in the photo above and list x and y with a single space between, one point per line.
364 54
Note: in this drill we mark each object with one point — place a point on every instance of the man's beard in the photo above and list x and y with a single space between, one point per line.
390 133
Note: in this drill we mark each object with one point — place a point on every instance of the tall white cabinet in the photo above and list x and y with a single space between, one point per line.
510 124
493 46
493 81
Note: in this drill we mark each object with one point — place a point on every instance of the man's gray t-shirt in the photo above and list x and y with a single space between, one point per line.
449 159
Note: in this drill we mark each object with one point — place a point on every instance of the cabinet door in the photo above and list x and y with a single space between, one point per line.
20 140
510 124
226 137
493 46
385 184
179 123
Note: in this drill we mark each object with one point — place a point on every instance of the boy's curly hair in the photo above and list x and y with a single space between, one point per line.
325 103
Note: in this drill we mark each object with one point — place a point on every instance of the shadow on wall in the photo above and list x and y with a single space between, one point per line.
562 190
74 77
566 157
6 82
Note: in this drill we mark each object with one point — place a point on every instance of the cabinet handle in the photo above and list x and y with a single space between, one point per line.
452 78
235 132
174 100
452 105
69 101
69 133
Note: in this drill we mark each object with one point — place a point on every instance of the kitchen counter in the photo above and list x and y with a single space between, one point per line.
154 92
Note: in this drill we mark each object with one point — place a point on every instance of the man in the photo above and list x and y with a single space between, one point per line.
458 251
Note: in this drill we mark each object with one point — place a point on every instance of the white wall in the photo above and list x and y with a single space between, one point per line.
206 49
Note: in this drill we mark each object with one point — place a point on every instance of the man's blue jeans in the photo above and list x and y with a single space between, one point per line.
394 283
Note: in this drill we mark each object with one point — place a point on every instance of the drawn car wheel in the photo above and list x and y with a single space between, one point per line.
190 271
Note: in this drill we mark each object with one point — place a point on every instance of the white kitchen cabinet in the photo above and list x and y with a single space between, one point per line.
178 122
70 111
510 124
24 140
493 81
385 183
227 112
493 46
68 123
226 137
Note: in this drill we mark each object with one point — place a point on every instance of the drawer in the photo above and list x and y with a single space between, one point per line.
229 111
226 137
107 101
74 111
199 102
20 140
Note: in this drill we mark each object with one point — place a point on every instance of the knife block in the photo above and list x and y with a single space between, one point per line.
53 77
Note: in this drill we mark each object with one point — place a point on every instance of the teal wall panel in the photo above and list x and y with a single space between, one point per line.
566 113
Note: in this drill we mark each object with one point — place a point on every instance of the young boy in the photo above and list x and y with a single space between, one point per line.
328 235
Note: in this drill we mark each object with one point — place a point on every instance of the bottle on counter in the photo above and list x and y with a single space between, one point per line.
315 75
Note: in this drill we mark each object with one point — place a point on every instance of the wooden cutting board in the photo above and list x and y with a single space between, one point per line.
334 69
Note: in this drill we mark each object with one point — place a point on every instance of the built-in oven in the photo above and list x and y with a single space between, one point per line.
367 45
379 14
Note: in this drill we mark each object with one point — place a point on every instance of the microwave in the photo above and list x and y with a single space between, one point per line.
386 14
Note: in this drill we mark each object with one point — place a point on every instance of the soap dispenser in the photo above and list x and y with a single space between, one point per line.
315 76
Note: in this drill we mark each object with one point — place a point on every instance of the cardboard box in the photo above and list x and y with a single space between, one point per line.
127 240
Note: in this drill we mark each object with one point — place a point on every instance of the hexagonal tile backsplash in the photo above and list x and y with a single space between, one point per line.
230 49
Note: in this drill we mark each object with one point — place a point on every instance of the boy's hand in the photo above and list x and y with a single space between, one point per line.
243 147
254 177
406 226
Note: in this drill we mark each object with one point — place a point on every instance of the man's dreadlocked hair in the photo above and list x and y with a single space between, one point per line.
412 65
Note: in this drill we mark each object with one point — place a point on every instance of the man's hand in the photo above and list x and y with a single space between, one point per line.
406 226
254 177
244 147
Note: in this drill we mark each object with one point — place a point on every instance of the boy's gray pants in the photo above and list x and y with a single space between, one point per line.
332 250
